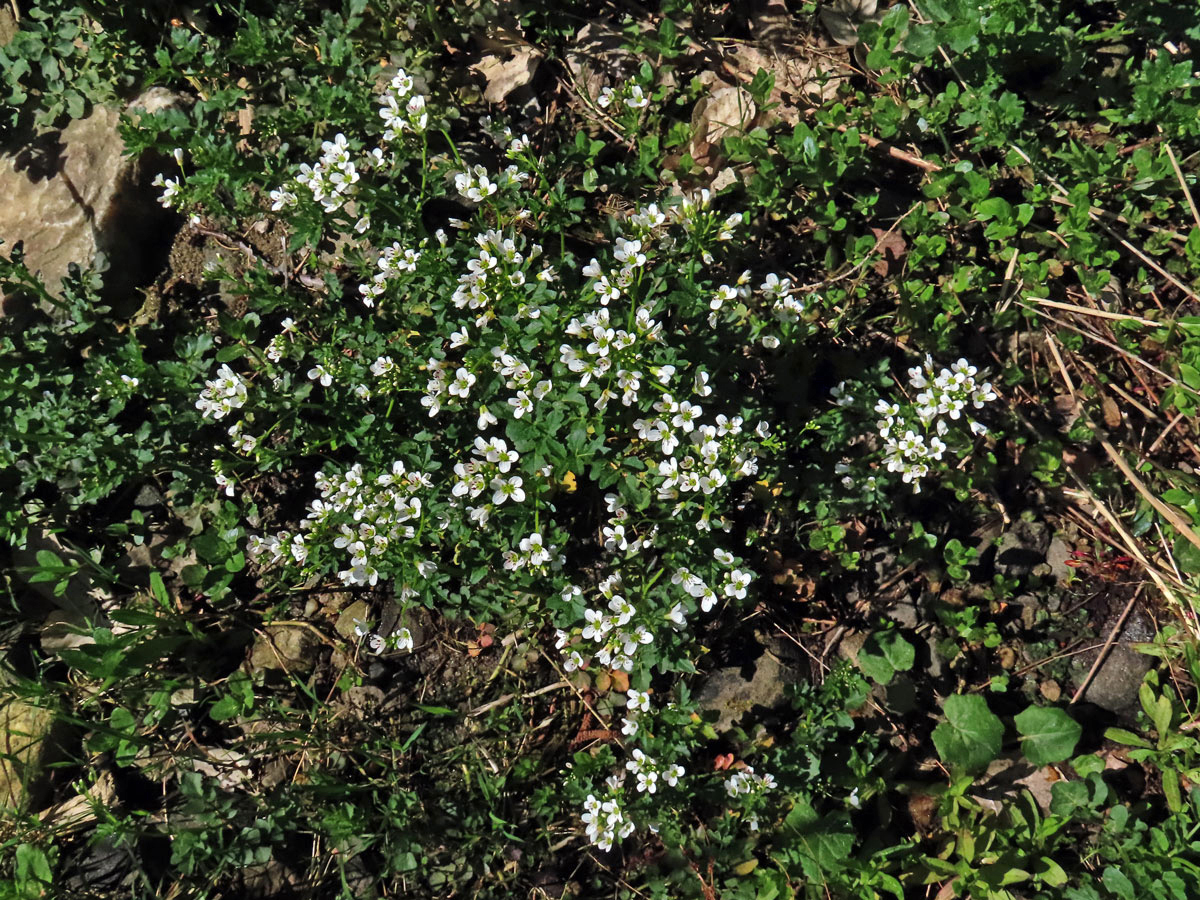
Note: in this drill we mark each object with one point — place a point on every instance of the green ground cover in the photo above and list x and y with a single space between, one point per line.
684 450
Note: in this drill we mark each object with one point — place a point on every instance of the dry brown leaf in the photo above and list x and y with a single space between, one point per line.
1112 412
892 247
505 76
727 109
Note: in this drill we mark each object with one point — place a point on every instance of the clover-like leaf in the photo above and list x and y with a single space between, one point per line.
1048 735
884 654
970 737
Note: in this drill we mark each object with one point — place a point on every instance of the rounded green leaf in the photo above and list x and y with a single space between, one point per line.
970 737
1047 735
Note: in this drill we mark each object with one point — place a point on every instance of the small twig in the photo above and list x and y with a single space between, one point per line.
1112 638
1170 427
1099 313
1111 346
1066 654
1161 508
1183 183
1167 552
1062 369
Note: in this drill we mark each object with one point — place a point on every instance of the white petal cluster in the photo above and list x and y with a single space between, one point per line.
393 262
400 639
913 434
746 781
533 553
786 306
401 109
223 394
475 183
647 771
361 515
617 629
333 179
605 818
170 188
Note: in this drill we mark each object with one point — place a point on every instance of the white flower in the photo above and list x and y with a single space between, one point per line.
507 490
170 190
461 385
321 373
521 404
637 98
737 584
637 701
402 639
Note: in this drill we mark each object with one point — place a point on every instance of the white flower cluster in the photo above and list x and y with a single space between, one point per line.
401 109
223 394
170 188
280 345
504 136
610 349
332 180
242 442
780 292
489 471
364 516
475 183
534 553
615 633
732 586
712 453
633 97
605 819
496 270
400 639
913 435
393 261
647 771
745 781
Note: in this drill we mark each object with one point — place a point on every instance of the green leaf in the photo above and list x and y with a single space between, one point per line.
1190 376
885 653
32 864
225 708
920 41
1117 882
970 737
1170 783
1048 735
436 710
1120 735
159 590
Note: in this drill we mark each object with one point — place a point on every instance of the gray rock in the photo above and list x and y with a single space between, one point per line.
1021 548
30 739
1116 683
1057 556
904 613
72 196
736 690
284 647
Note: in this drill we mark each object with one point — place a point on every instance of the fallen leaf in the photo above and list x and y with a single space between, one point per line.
726 109
1112 412
891 247
504 77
